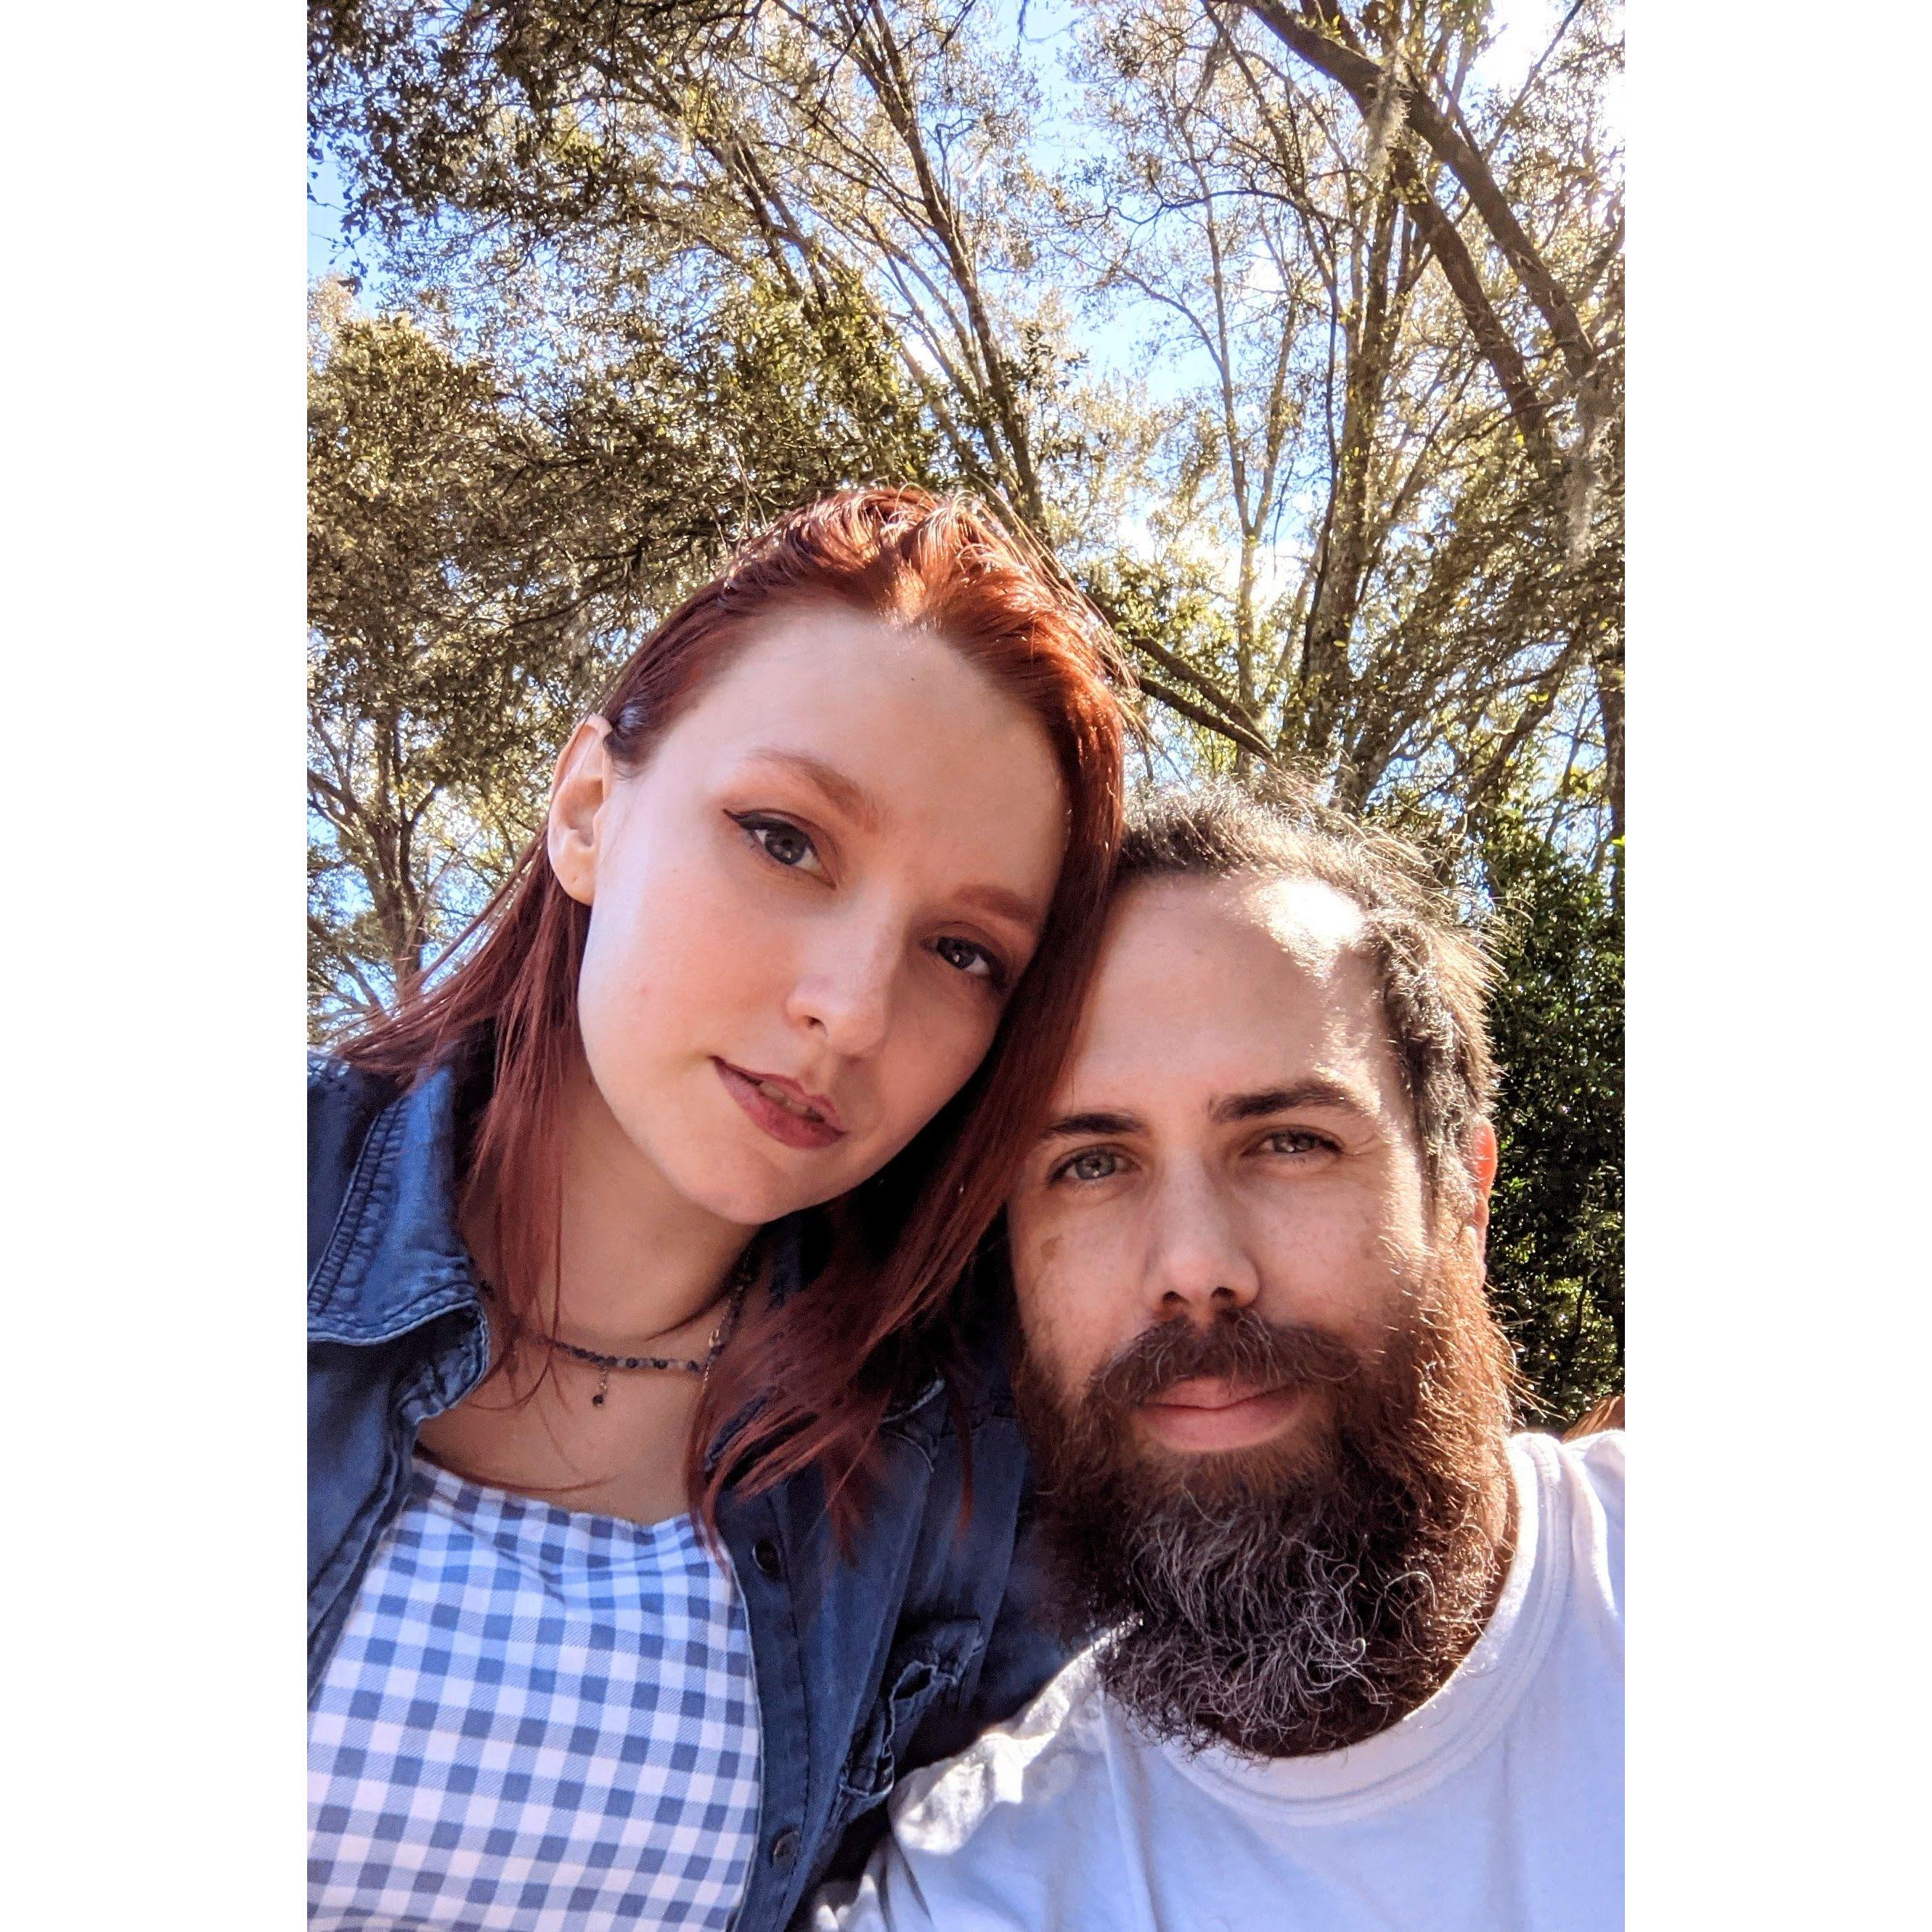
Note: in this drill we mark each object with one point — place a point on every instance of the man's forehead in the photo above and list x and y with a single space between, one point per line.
1214 977
1311 921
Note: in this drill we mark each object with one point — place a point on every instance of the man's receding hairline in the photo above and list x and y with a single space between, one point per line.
1248 882
1250 878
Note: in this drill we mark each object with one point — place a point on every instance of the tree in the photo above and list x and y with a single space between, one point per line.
851 146
418 712
1555 1242
1406 105
1441 610
1457 596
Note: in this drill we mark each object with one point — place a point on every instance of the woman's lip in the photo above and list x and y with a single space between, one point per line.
817 1102
1208 1414
793 1129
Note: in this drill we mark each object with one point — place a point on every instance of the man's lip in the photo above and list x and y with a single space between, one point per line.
1208 1392
1207 1415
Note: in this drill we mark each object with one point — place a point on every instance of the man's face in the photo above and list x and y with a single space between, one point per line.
1232 1134
1268 1400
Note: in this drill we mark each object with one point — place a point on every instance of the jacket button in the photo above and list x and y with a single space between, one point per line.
765 1555
785 1847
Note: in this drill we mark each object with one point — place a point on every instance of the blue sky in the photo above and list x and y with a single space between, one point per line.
327 253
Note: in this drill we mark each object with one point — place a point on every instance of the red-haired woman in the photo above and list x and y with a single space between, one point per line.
663 1492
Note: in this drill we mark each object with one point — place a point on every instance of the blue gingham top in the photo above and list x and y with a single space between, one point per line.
534 1719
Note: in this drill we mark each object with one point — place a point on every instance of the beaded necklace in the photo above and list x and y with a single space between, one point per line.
741 1281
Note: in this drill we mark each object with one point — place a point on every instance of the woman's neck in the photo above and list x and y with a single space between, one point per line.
639 1262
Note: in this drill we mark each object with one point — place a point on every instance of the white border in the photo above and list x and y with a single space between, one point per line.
153 973
1777 1146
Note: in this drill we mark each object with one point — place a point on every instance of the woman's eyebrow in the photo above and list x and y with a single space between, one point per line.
848 794
1002 903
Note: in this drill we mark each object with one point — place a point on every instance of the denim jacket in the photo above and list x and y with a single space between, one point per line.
867 1667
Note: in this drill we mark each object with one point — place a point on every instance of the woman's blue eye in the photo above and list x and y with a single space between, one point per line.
781 841
968 957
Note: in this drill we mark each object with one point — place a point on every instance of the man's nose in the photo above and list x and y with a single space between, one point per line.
1202 1258
844 990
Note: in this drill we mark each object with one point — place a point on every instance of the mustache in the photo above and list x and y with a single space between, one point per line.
1241 1348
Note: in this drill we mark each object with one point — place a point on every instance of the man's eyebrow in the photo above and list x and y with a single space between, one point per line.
848 794
1068 1127
1312 1092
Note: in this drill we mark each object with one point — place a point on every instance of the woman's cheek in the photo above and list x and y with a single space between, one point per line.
640 994
615 1048
957 1044
931 1056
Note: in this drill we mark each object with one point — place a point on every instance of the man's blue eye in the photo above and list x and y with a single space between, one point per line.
1097 1164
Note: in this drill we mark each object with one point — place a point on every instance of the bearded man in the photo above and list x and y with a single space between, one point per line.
1361 1658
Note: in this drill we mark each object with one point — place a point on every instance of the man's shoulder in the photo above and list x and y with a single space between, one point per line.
1580 1485
1600 1457
1594 1464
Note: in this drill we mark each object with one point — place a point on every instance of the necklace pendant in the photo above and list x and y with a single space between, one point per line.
603 1388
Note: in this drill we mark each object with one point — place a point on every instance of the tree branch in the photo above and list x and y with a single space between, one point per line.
1321 40
1235 733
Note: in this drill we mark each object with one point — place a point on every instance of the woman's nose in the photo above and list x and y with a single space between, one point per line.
844 989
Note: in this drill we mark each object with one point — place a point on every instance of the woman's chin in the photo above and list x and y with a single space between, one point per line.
748 1190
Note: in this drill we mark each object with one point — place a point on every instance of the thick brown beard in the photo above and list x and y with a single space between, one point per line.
1284 1602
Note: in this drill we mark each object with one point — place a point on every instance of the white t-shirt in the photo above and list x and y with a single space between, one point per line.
1498 1805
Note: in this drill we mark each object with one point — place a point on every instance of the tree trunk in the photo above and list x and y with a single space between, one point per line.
1326 673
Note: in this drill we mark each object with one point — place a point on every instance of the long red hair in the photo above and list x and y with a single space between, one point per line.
815 1376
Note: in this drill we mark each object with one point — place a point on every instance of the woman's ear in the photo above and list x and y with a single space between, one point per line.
577 795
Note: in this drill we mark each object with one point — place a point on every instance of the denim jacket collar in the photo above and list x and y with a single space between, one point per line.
394 1260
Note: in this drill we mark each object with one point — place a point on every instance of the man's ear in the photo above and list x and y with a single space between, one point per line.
1479 1157
578 792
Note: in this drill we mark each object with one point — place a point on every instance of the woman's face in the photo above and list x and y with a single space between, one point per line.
808 907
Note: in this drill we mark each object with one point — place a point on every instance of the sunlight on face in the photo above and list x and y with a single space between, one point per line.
808 908
1232 1131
